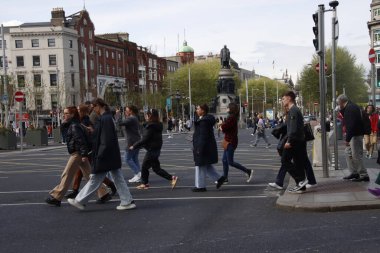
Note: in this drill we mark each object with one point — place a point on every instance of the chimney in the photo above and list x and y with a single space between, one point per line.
57 17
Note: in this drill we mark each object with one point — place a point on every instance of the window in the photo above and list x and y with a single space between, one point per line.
133 68
107 69
119 56
72 80
54 101
38 102
119 72
1 61
35 43
1 44
81 32
71 60
51 42
21 80
113 70
20 61
37 80
100 52
18 43
376 12
127 68
53 79
90 34
91 50
100 68
376 35
70 44
91 64
106 53
113 55
36 61
52 60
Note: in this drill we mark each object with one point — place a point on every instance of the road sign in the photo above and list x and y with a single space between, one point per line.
315 103
372 55
245 104
19 96
4 99
317 67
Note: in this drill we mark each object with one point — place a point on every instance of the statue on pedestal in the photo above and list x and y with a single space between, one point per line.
225 57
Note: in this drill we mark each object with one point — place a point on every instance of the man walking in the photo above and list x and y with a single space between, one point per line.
353 120
295 146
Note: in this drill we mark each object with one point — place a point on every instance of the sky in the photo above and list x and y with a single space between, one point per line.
257 32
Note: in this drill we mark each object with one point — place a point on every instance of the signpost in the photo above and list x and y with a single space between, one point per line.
372 56
19 97
372 60
317 67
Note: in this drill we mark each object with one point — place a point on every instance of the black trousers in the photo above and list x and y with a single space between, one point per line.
294 160
151 161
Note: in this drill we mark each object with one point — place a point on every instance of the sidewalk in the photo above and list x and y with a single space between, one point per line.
333 194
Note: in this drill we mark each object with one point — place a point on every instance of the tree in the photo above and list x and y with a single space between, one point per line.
349 75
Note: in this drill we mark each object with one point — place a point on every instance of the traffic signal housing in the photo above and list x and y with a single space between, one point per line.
378 78
316 32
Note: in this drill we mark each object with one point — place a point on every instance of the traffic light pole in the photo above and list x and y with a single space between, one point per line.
373 75
322 86
5 80
333 80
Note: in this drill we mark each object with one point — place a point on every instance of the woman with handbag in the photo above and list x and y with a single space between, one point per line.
205 150
230 142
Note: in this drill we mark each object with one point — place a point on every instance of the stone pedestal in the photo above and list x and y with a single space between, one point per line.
226 93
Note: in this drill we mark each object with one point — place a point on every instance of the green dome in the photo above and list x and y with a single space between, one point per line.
186 49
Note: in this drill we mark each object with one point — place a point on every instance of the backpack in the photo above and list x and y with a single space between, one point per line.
366 123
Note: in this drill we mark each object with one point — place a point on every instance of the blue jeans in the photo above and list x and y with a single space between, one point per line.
200 175
132 159
228 160
95 182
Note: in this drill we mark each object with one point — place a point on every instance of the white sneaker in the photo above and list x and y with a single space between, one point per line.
131 205
274 185
308 186
370 157
250 177
135 179
75 203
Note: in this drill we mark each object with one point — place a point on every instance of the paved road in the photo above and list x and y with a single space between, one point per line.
240 217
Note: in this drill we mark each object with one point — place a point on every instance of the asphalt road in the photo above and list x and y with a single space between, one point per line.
239 217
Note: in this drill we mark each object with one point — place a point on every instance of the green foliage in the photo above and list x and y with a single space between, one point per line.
349 75
204 77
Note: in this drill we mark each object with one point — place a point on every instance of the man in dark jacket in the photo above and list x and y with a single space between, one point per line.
353 121
106 159
295 146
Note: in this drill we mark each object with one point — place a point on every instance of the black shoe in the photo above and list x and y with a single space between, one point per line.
104 199
361 179
221 180
352 176
113 189
52 201
195 189
72 195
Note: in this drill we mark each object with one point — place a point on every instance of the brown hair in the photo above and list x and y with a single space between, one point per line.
290 94
133 109
101 103
73 111
204 107
83 111
234 109
153 115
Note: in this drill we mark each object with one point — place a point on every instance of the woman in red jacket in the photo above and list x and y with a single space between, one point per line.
230 130
370 140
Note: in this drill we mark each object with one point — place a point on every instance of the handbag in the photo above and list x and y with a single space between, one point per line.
225 144
308 131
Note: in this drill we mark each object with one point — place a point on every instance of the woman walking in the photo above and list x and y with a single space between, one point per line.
152 142
230 142
78 149
204 150
131 124
106 159
370 138
260 132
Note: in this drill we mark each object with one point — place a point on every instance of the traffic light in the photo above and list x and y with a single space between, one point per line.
378 78
315 31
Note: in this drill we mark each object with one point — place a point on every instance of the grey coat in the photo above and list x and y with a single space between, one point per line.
131 126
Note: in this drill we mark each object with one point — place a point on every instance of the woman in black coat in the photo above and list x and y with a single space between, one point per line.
204 150
152 142
106 159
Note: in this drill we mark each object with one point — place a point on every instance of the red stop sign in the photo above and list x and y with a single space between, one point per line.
19 96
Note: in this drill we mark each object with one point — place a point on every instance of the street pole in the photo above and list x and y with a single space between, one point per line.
322 87
6 120
59 101
240 109
190 107
333 80
276 103
246 91
21 128
265 100
373 75
252 104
